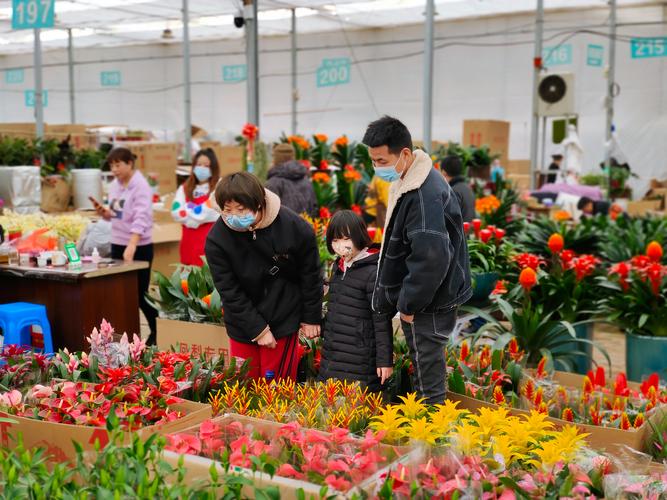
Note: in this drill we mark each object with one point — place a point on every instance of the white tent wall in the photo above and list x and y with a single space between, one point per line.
472 81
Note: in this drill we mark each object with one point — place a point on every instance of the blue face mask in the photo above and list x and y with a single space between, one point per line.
240 222
388 174
202 173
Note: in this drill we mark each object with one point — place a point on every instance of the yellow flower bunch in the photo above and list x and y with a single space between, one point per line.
69 226
493 434
487 205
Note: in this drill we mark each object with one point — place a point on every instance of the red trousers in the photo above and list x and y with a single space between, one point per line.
282 361
192 244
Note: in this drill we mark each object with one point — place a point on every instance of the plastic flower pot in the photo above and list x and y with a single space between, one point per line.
484 285
644 356
580 364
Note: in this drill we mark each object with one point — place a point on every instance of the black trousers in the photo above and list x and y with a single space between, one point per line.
427 339
144 253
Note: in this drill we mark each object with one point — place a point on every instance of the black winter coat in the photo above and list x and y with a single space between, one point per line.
355 341
268 276
424 265
292 183
465 197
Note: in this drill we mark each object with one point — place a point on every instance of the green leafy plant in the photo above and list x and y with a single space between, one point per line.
17 152
534 236
626 237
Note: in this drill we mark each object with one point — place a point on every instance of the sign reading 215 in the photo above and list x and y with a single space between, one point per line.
30 14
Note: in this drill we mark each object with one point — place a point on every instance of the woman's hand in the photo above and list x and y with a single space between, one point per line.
266 339
130 250
310 331
384 373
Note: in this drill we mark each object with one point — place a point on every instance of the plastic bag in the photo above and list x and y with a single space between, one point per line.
96 235
37 241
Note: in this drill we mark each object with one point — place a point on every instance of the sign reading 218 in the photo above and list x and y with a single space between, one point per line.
31 14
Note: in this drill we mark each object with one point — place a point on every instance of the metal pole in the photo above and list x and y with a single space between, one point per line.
250 15
544 143
39 109
295 90
611 70
70 65
428 75
537 66
187 99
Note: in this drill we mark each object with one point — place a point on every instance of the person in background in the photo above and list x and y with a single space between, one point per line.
265 264
131 214
193 209
290 180
357 343
592 208
556 162
497 171
375 205
452 168
424 269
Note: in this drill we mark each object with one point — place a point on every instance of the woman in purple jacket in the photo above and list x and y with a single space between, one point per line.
131 214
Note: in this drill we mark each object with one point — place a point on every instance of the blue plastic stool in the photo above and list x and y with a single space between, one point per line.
17 318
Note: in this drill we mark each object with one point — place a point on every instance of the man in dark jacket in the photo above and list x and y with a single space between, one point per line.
290 180
452 168
424 271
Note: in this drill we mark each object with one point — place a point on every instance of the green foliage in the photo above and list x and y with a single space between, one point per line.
623 238
534 236
490 257
17 152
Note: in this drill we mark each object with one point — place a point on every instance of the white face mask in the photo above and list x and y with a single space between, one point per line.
343 248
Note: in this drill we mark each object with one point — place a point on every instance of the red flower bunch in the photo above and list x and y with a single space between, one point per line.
583 265
529 260
250 131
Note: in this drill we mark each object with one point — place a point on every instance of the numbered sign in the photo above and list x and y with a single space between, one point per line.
110 78
641 48
558 55
234 73
333 72
30 98
30 14
13 76
595 55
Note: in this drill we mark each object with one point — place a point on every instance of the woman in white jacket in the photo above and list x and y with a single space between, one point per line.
193 209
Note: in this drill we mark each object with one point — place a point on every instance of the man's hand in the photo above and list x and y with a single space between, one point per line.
267 339
384 373
408 318
310 331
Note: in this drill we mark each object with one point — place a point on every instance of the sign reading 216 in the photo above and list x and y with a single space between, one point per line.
30 14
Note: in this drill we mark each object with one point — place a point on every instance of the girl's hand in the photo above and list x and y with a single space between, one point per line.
384 373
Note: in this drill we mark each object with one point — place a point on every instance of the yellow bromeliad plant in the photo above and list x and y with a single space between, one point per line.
500 439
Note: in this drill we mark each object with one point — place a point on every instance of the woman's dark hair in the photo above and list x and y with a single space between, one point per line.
452 166
121 154
347 224
243 188
190 184
390 132
583 201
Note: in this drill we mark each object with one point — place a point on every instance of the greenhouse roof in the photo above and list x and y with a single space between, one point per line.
102 23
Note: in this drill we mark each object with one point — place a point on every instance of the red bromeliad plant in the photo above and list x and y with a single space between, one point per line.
21 367
636 294
335 460
133 406
488 249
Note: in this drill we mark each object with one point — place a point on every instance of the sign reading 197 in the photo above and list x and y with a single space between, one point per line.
30 14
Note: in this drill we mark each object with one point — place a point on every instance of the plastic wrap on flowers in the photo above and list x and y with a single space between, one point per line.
290 454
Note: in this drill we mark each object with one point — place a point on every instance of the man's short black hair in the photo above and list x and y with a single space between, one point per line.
347 224
452 166
557 157
390 132
583 201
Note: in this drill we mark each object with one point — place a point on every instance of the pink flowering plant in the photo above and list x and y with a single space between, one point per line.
336 460
21 367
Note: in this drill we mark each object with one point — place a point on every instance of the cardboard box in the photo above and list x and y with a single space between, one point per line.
520 182
57 438
520 167
156 158
196 338
643 207
230 158
18 130
197 468
492 133
166 243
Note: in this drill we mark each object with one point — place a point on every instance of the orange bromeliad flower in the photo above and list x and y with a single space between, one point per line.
321 177
184 287
321 137
541 368
625 422
538 400
514 351
351 174
465 351
528 279
487 205
568 415
639 420
498 396
529 390
207 300
342 141
556 243
485 357
654 251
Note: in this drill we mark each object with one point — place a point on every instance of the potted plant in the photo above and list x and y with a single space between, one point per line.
490 257
636 300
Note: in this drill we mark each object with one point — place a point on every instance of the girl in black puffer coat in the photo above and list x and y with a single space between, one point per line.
357 343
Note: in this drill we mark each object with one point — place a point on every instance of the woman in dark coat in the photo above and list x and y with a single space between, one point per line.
358 343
